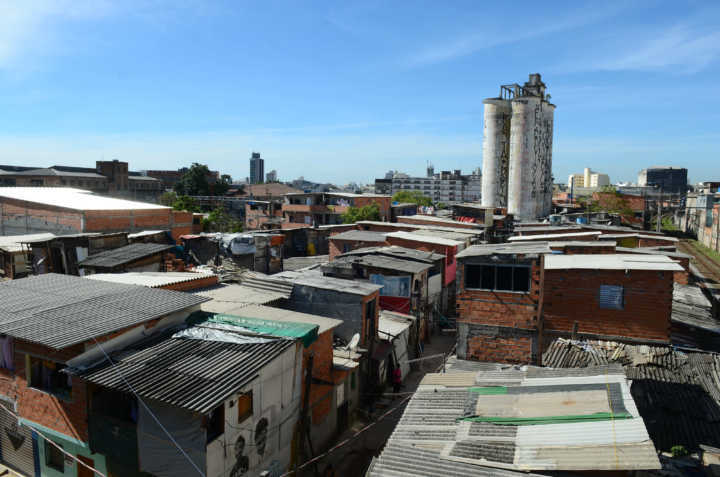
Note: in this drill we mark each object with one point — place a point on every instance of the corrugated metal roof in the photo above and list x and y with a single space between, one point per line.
298 263
193 374
123 255
450 235
611 262
149 279
581 243
283 315
75 199
62 310
384 262
677 392
360 235
651 251
146 233
644 236
396 251
13 243
430 424
440 220
424 238
691 307
232 297
530 238
530 248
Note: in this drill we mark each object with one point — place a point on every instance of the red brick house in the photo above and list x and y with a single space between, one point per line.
51 320
512 298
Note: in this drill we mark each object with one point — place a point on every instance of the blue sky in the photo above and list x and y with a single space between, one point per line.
341 91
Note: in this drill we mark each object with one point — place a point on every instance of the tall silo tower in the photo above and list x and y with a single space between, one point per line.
496 150
530 168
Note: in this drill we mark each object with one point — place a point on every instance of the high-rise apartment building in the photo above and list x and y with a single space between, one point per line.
257 168
588 179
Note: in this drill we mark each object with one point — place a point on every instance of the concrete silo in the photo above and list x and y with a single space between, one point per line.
517 150
496 152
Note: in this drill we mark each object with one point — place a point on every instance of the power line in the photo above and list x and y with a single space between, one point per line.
57 446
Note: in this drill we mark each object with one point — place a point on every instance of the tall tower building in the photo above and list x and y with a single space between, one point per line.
517 150
257 168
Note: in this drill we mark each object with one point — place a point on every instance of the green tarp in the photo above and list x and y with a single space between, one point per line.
307 332
534 421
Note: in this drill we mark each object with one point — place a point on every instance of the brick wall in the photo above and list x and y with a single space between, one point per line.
572 296
20 217
68 417
498 326
656 242
382 202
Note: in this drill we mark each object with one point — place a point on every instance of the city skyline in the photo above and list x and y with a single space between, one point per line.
372 88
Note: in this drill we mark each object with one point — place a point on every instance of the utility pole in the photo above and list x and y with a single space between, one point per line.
659 213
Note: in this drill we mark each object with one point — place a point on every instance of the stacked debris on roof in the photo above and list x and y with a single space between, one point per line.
501 420
677 392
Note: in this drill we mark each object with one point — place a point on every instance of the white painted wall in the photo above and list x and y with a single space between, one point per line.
276 398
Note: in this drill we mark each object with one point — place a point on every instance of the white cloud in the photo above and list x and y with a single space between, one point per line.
28 28
681 48
493 31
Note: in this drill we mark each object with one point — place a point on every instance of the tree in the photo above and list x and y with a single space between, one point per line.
168 198
413 197
355 214
195 182
186 203
220 221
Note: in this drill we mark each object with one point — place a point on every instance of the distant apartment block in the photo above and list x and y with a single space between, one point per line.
109 178
670 180
446 186
257 168
325 208
588 179
271 176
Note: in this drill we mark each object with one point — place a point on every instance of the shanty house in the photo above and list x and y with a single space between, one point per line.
14 256
514 297
404 282
350 240
47 323
136 257
227 388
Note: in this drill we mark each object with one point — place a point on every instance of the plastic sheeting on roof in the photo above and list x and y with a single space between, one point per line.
307 332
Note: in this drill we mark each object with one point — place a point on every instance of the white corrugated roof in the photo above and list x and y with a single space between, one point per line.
12 243
618 261
526 238
149 279
643 236
425 238
75 199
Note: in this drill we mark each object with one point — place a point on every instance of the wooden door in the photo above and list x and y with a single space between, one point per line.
84 471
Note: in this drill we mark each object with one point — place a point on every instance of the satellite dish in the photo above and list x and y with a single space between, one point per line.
354 342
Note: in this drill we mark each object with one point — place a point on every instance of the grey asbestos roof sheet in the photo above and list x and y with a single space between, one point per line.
149 279
62 310
650 251
677 392
190 373
611 262
298 263
691 307
123 255
385 262
360 236
396 251
429 440
505 249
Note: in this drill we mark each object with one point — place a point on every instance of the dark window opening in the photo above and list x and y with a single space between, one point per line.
47 376
498 277
370 318
54 458
216 423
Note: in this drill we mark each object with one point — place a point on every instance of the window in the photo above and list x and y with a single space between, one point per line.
370 318
215 423
245 406
515 278
46 375
612 297
346 248
7 353
54 458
